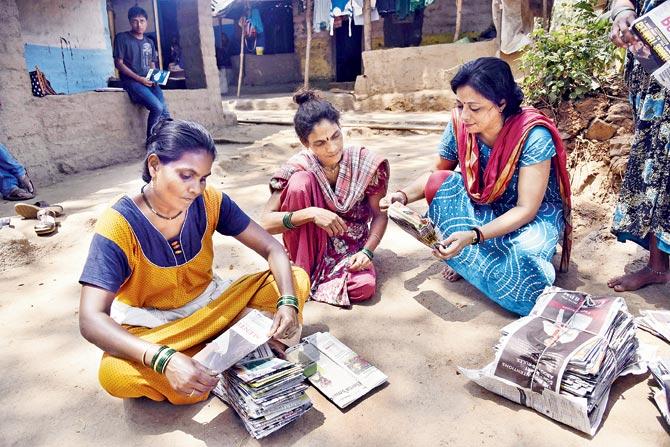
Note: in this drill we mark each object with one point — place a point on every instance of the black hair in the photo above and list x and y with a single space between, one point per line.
171 139
492 78
312 108
137 11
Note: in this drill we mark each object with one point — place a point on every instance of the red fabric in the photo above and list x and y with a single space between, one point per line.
433 184
504 160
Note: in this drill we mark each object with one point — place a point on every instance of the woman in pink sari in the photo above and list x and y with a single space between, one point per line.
325 202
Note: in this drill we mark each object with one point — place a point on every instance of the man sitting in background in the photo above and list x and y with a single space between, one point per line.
134 55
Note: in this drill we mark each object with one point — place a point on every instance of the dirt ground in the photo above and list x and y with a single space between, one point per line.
417 329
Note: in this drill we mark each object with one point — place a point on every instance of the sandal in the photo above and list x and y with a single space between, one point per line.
18 194
46 224
30 211
27 184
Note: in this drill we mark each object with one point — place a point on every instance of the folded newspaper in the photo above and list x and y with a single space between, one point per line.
562 359
656 322
340 374
421 228
653 49
266 392
239 340
660 370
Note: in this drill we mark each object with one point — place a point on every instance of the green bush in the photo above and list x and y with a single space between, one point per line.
571 61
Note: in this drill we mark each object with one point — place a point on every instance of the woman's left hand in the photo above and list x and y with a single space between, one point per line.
453 245
359 261
285 323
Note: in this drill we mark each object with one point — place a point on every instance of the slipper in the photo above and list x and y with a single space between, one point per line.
27 184
46 224
30 211
18 194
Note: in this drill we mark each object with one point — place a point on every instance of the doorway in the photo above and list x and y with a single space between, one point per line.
348 49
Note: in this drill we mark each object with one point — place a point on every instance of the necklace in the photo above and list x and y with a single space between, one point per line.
144 197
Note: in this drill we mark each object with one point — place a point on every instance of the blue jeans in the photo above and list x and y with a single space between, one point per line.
149 97
10 171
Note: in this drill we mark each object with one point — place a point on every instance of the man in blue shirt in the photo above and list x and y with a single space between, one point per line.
134 55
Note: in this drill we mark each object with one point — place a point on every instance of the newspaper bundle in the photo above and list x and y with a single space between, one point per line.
653 50
656 322
233 345
562 359
341 374
660 370
421 228
266 392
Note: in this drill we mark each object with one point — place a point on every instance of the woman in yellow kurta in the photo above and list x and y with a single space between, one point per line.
149 297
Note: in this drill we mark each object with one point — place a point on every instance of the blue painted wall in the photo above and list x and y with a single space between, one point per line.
71 69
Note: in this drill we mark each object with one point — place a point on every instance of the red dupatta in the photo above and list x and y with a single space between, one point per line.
504 160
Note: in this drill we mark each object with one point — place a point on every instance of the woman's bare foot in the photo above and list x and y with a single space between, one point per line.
450 274
636 280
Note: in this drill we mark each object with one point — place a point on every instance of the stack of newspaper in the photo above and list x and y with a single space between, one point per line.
656 322
562 359
266 392
660 370
337 371
421 228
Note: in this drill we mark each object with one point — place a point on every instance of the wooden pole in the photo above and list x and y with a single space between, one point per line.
308 44
239 77
459 15
367 25
545 15
158 35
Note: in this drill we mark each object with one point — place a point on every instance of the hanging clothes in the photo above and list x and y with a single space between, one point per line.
321 19
341 8
357 6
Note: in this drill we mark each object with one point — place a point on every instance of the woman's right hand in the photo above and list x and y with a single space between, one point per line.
329 221
189 376
621 35
391 198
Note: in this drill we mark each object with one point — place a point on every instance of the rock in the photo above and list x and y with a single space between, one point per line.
600 130
620 145
593 107
570 122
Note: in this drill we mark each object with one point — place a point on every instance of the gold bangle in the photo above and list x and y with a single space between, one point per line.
144 354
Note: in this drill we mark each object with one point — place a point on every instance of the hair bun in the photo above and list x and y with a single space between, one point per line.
305 95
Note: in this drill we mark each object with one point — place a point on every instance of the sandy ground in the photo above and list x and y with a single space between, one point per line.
417 329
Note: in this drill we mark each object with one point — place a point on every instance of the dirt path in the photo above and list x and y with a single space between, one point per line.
417 329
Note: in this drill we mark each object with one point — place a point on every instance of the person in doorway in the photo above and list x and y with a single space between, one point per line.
325 202
134 55
642 213
503 214
149 296
14 181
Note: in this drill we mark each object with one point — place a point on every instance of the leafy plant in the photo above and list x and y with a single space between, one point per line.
571 61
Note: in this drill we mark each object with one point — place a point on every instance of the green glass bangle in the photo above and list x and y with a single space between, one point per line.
286 220
368 253
162 362
290 302
156 355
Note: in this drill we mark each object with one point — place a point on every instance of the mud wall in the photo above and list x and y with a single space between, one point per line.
58 135
396 70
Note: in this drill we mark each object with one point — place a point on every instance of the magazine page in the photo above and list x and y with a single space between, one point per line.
158 76
235 343
653 49
420 228
341 354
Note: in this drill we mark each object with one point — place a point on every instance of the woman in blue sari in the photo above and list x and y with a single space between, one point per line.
503 214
